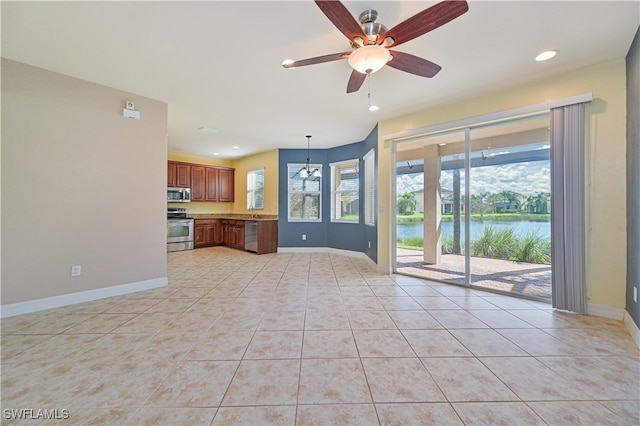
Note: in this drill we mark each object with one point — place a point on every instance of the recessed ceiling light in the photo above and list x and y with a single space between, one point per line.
441 144
236 147
548 54
373 107
208 129
216 153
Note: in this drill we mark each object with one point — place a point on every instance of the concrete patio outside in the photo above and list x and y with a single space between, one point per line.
526 279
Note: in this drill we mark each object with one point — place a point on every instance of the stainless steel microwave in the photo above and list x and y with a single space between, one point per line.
178 195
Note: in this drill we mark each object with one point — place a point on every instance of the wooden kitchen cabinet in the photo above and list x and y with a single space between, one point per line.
171 174
207 183
233 233
230 232
211 179
198 183
225 231
239 238
226 185
237 235
267 236
178 174
207 232
219 184
214 233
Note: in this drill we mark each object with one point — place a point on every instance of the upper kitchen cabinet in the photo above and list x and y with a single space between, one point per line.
226 185
212 183
198 185
178 175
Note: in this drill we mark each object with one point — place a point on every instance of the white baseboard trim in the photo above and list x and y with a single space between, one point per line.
605 311
330 250
632 327
79 297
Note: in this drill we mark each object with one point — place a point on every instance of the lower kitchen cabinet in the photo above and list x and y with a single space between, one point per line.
230 232
267 236
206 233
233 233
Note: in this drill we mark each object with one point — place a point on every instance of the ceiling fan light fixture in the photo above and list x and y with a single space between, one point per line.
369 59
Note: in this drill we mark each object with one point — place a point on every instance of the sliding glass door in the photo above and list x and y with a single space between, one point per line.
490 230
510 200
431 237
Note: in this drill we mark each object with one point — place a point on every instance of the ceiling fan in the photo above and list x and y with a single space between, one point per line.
371 42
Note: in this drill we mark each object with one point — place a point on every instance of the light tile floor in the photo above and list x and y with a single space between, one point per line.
315 339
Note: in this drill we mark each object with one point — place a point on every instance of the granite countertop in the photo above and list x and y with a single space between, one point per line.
260 217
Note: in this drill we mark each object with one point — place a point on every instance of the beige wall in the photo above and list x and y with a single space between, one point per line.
268 160
606 198
81 185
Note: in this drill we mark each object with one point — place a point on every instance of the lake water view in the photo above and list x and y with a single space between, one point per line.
477 227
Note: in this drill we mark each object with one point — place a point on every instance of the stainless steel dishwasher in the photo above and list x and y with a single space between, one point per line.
251 236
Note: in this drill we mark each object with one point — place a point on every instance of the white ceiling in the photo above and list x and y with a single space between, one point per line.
217 64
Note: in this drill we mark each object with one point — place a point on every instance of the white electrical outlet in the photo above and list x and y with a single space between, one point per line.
635 294
304 237
76 270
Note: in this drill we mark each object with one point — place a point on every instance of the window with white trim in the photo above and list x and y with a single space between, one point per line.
345 191
305 194
369 188
255 189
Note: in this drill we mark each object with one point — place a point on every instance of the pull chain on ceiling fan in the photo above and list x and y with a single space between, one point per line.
372 107
370 40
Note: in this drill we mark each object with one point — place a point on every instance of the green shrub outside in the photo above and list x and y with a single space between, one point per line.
498 244
495 243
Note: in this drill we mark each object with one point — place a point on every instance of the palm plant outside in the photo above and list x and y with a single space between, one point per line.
407 203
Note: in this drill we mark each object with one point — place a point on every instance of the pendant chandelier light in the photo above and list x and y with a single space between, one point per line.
306 171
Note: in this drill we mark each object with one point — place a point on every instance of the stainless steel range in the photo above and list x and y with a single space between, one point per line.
179 230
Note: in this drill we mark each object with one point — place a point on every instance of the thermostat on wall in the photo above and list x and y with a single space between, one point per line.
129 113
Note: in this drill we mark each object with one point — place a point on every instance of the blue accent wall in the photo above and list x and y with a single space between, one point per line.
290 233
345 236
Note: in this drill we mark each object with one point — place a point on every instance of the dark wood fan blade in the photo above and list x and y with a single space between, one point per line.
342 19
413 64
316 60
355 81
425 21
